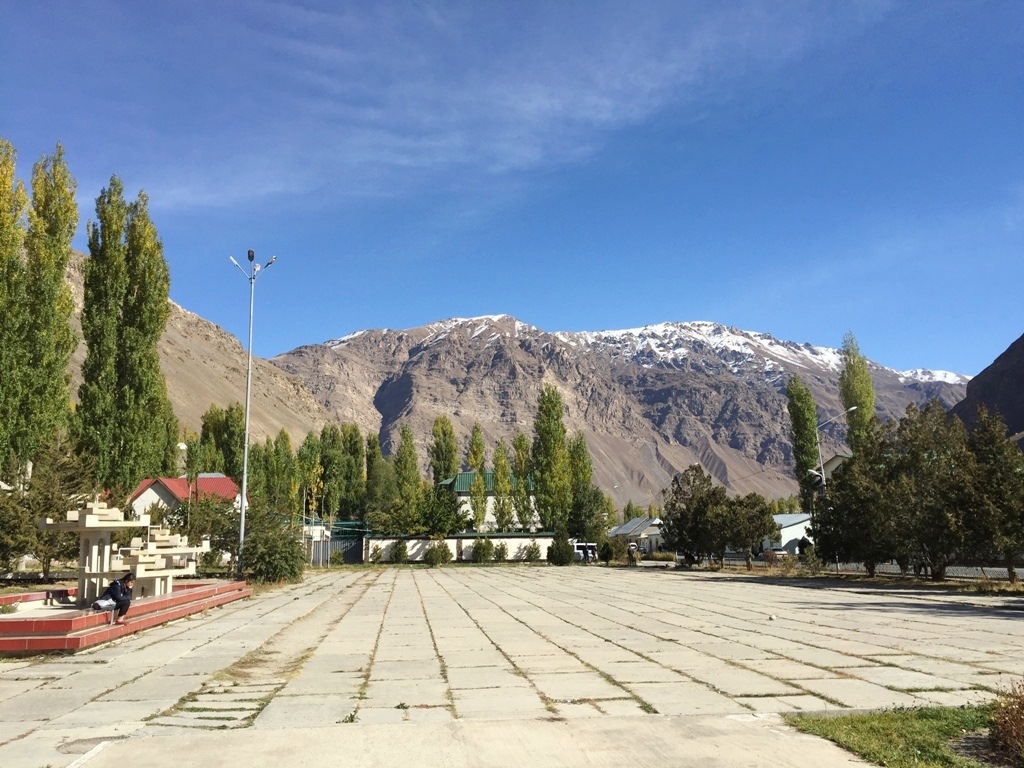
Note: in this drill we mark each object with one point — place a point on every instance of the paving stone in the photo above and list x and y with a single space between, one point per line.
582 685
576 711
685 698
390 693
784 669
301 711
485 677
429 715
380 715
406 670
766 704
903 679
860 694
956 698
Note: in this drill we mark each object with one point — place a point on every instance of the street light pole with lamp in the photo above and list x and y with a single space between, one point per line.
244 501
817 430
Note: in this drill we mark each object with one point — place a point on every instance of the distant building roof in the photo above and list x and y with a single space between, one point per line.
207 485
636 526
792 518
461 482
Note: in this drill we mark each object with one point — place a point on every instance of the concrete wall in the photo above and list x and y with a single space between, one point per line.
461 546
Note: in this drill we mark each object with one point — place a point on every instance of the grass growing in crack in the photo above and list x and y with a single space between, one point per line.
351 717
901 738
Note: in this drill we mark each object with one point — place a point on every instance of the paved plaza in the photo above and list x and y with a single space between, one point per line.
508 666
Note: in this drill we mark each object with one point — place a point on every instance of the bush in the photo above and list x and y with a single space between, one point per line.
438 553
812 563
531 552
273 555
606 553
483 551
376 554
501 552
561 551
1008 722
399 552
664 557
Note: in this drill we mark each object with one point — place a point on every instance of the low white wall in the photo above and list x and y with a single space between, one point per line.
461 547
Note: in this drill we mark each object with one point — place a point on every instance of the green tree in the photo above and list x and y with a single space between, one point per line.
476 460
332 460
692 520
407 480
124 417
440 510
444 450
381 489
551 472
354 495
522 471
750 521
61 480
856 392
587 515
995 527
504 513
804 430
309 472
13 310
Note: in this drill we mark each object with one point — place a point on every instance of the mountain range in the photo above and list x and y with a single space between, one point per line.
650 401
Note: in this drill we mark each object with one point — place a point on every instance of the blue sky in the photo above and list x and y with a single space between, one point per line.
798 168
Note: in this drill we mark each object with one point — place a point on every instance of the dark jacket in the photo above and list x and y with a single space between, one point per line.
117 591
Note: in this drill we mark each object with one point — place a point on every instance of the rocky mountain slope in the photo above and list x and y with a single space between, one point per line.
1000 388
650 401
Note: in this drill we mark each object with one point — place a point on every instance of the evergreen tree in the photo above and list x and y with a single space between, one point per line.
444 450
521 479
476 460
124 417
13 309
381 488
995 526
803 419
587 514
692 520
856 391
504 513
551 475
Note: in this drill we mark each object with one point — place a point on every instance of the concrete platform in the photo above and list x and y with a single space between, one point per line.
510 666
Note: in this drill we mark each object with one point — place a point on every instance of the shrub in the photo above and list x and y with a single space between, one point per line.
399 552
664 557
1008 722
500 552
376 554
606 553
812 563
273 555
438 553
531 552
561 550
483 551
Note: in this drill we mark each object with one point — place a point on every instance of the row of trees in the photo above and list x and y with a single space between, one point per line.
339 473
925 492
123 429
920 490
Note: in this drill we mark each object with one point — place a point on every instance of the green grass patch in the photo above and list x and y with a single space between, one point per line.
902 738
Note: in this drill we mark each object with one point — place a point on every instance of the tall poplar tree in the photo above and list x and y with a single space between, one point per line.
504 514
476 460
551 476
407 479
124 418
856 391
444 450
803 417
522 469
13 320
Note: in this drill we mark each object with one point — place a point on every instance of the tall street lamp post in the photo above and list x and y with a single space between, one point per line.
817 429
251 276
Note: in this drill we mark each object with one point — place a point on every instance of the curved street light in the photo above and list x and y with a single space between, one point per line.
817 430
244 502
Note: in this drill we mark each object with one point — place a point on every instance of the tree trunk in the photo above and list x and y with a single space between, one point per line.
1011 569
869 566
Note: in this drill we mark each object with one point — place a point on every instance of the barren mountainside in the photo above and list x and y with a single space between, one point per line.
650 401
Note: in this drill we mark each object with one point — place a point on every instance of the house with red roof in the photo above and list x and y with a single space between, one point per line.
172 492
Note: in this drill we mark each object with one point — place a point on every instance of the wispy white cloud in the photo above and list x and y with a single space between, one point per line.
385 100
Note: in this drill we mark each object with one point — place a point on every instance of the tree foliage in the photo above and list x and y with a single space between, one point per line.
856 391
550 461
522 476
124 417
476 461
504 511
444 450
804 430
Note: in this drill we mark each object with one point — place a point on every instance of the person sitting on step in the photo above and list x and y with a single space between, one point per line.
120 591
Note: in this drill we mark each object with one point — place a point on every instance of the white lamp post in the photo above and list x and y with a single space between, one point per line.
244 502
817 429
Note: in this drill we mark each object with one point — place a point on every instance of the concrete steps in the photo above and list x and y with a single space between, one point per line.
63 629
